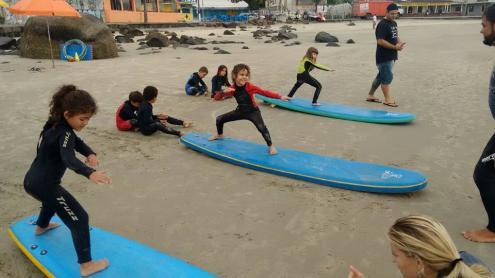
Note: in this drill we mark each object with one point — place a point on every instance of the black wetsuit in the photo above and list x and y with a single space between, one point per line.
149 123
484 172
305 77
217 82
55 153
129 113
246 110
195 85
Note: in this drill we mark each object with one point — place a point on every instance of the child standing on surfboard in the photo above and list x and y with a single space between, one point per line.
70 110
307 64
247 109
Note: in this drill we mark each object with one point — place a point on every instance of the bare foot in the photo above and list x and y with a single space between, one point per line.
40 231
483 235
215 137
187 124
272 150
272 105
93 267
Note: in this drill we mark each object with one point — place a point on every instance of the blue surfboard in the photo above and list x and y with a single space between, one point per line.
314 168
54 254
341 111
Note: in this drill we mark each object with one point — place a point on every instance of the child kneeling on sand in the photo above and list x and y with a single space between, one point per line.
126 117
195 86
149 123
219 83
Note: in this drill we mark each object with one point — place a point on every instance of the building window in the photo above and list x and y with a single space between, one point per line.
126 5
420 10
471 9
116 5
151 6
139 5
167 5
409 10
457 8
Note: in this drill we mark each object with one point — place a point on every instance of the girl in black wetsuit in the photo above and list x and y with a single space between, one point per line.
307 64
218 82
70 109
247 109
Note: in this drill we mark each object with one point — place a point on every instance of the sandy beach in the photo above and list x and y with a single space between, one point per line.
237 222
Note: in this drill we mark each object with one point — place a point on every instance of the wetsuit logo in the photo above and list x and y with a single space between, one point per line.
61 201
66 139
390 174
488 158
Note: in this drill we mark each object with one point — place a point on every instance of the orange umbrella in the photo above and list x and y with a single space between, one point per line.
44 8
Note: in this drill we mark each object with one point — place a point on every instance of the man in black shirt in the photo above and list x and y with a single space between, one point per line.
388 43
484 172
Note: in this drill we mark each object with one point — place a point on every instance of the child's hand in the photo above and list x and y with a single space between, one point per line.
92 161
100 177
162 116
229 90
354 273
285 98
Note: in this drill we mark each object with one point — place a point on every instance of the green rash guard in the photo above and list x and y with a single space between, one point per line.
306 65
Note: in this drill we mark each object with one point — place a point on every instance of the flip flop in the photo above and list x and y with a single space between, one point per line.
373 100
392 104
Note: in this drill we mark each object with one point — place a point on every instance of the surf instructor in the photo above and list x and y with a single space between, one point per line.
484 172
388 44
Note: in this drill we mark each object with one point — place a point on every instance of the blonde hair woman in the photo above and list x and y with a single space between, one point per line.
422 248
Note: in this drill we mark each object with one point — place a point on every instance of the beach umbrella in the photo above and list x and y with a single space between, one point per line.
44 8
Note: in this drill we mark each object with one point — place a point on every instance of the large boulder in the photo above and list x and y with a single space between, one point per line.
89 29
285 35
123 39
229 25
131 32
156 39
191 40
7 43
325 37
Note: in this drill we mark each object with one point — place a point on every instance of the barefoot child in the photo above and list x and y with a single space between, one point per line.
195 86
219 83
149 123
126 115
70 109
247 109
307 64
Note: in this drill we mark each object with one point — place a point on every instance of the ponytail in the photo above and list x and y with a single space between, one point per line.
72 100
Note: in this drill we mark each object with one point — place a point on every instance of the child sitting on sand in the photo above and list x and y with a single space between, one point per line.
195 86
149 123
219 83
126 116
